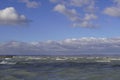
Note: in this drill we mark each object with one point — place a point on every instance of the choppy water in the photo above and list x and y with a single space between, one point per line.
58 70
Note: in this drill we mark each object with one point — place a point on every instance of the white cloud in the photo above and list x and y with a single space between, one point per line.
113 10
84 24
70 13
87 21
74 46
31 4
89 5
79 2
90 17
68 8
73 15
9 16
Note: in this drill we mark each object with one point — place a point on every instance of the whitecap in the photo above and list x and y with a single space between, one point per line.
6 62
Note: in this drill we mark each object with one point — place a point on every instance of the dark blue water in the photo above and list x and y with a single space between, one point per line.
59 71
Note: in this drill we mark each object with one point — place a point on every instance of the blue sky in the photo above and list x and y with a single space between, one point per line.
59 27
46 23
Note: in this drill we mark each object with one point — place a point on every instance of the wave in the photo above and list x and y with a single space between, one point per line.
7 62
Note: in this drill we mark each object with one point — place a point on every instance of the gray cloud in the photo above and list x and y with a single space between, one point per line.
30 4
78 19
65 47
9 16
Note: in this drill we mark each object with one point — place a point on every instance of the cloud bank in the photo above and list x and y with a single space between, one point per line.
9 16
65 47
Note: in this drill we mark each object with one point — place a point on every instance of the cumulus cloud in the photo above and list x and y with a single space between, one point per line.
9 16
89 5
89 17
70 13
87 21
113 10
65 47
31 4
68 8
79 2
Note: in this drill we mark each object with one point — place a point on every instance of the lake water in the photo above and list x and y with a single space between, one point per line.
35 69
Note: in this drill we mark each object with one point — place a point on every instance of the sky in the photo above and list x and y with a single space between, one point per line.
44 25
